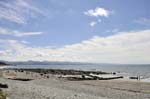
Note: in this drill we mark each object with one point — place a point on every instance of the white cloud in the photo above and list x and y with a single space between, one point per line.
24 42
143 21
115 30
18 11
93 23
124 47
6 31
27 34
97 12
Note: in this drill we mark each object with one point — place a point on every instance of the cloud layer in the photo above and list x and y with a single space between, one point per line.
18 11
143 21
93 23
124 47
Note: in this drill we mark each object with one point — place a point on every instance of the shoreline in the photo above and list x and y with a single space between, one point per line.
78 72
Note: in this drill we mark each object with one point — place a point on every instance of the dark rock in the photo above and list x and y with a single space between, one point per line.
47 76
21 79
3 85
41 74
83 76
133 77
64 72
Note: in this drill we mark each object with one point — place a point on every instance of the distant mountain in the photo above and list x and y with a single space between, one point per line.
2 63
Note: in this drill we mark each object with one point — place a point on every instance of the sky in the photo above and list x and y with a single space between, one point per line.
99 31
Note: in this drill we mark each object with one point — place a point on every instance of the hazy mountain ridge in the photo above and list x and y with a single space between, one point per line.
61 63
45 63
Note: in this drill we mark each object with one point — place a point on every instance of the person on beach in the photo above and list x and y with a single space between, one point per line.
138 78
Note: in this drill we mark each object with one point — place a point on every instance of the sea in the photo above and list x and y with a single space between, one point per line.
125 70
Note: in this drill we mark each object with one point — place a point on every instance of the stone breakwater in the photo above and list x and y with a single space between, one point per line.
70 74
62 71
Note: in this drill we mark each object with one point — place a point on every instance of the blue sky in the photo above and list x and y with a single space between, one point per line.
54 24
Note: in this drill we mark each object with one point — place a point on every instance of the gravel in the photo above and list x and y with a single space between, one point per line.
57 88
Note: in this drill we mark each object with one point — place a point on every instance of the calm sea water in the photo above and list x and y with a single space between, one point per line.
125 70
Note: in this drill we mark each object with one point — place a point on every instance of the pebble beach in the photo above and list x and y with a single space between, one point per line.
54 87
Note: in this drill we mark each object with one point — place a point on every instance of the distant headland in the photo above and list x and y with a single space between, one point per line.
3 64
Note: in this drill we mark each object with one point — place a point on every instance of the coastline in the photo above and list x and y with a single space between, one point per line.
77 72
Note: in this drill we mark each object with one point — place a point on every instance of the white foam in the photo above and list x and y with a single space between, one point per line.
145 80
5 67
